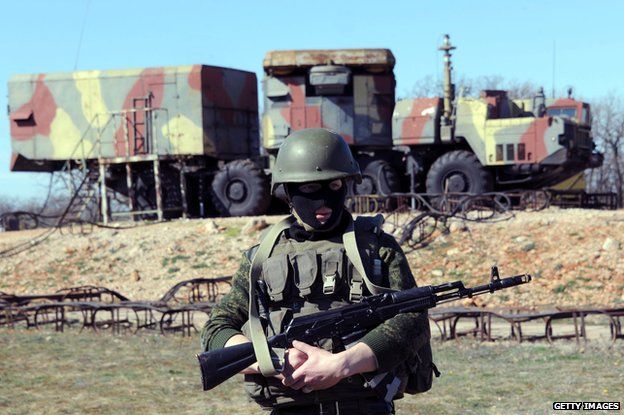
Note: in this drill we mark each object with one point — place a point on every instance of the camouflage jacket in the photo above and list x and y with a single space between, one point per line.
392 342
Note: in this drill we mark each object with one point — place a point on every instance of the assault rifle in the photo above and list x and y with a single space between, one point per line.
348 323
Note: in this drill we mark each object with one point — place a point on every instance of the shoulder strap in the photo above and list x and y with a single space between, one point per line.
258 338
349 240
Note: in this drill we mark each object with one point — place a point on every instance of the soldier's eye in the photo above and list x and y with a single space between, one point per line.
310 187
335 184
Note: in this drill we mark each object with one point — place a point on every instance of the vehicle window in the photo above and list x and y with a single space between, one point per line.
562 112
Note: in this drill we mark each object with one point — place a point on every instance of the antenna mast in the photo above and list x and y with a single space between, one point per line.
449 88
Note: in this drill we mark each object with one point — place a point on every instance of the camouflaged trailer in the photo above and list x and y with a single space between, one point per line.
449 143
196 122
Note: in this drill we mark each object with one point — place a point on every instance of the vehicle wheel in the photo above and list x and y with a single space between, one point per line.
241 188
378 178
458 172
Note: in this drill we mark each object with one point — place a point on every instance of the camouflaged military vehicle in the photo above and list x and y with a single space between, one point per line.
450 143
168 140
350 91
185 140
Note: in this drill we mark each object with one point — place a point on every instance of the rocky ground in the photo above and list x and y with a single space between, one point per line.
575 256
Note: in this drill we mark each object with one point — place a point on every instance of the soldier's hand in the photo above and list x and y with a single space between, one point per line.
293 358
321 369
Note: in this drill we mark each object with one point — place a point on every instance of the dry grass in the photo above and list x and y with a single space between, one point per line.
48 373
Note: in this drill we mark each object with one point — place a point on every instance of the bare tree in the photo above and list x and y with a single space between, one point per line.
428 86
608 130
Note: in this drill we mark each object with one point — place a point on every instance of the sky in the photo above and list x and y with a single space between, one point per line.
514 39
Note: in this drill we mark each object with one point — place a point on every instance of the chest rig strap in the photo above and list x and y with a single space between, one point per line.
256 331
354 253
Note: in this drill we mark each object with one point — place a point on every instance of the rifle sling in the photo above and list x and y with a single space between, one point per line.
353 252
258 337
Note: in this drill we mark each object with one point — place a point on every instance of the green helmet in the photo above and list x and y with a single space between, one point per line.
314 154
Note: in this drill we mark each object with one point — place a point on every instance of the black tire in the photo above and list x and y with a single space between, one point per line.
378 178
241 188
458 172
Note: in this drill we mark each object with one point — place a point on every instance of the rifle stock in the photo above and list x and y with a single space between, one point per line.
219 365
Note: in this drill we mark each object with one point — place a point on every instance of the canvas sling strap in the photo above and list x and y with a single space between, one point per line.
258 337
349 239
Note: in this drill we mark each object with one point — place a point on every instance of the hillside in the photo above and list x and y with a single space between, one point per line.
574 255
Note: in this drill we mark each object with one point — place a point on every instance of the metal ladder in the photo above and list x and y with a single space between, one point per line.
83 198
141 125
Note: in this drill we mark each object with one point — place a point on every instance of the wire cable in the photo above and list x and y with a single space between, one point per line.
84 23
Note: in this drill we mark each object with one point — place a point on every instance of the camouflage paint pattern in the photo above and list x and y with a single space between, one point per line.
209 111
499 131
362 113
416 121
192 110
576 182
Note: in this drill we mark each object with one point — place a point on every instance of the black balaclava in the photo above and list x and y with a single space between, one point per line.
306 204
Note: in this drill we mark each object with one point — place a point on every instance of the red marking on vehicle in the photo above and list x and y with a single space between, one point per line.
194 78
414 124
297 98
216 94
565 102
41 107
248 99
297 114
534 140
150 83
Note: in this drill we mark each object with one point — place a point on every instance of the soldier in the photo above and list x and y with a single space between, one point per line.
307 268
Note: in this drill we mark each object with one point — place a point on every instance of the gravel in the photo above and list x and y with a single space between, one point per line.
574 255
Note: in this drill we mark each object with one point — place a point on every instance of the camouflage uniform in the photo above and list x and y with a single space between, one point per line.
392 342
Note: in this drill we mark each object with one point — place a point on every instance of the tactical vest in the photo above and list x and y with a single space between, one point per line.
310 276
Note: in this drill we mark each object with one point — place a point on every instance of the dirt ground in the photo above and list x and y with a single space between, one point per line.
575 256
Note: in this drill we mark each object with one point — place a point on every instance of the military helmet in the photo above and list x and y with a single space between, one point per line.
314 154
